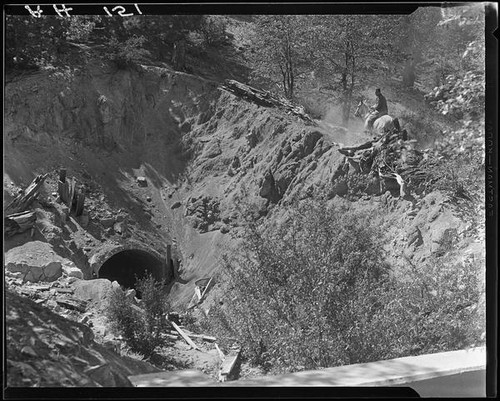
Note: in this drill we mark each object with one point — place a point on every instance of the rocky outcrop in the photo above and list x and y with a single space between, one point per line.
37 261
203 211
48 350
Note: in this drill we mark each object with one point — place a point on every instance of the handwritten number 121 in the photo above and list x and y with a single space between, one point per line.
121 11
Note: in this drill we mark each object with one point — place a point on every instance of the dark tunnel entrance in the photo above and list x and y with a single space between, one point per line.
127 265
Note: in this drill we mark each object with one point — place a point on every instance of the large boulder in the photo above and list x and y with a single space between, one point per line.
36 261
92 290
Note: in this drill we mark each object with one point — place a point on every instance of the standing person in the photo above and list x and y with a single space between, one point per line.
379 109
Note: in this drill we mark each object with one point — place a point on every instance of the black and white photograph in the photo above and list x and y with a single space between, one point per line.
297 198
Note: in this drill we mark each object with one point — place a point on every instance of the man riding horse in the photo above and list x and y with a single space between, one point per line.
376 117
379 109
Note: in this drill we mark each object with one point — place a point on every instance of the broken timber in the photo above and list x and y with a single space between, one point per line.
221 354
228 368
24 199
19 222
202 286
184 336
265 98
202 336
69 194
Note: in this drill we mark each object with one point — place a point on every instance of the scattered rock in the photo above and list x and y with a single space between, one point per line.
142 181
120 227
37 261
70 270
95 290
252 139
84 219
27 350
176 205
415 237
108 222
213 150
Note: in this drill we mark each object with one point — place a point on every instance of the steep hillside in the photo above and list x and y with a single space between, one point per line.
204 152
211 162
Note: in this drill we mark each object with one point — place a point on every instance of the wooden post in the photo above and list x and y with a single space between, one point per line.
62 175
60 185
64 191
168 271
80 201
71 193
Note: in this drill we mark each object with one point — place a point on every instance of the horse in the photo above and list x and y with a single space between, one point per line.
381 125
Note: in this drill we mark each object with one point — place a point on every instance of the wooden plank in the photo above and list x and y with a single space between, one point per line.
25 198
221 354
19 222
197 292
206 289
172 336
64 290
72 185
60 190
71 304
80 201
202 336
229 364
65 192
184 336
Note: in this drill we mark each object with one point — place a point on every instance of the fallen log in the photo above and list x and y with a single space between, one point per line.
73 304
19 222
25 198
265 98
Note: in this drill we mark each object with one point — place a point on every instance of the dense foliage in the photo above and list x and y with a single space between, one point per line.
47 41
316 292
142 329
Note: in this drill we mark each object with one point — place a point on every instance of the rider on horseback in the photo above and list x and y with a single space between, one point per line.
379 109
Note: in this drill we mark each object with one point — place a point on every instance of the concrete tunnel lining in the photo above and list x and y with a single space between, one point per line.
123 262
127 265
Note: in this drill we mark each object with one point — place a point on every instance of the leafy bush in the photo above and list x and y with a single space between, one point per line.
461 96
127 53
461 152
141 330
438 307
315 291
298 278
213 30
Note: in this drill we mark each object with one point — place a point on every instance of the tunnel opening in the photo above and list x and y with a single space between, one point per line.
129 265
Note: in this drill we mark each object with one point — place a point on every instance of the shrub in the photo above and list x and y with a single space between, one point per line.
295 280
141 329
127 53
213 31
315 291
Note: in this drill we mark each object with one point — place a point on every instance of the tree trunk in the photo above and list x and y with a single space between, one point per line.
179 56
346 107
409 74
